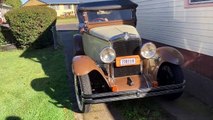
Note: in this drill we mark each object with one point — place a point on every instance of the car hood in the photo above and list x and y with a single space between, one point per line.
109 32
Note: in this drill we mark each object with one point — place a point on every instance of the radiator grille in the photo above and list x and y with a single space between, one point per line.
126 71
126 48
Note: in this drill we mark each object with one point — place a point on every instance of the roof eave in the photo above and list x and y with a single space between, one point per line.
107 5
62 3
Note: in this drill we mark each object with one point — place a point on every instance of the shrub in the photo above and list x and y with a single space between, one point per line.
32 25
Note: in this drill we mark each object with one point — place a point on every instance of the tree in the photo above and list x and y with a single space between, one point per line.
13 3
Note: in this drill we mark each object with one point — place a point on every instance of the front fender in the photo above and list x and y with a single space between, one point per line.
171 55
82 65
163 54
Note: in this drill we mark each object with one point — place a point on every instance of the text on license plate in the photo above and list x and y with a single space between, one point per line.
127 61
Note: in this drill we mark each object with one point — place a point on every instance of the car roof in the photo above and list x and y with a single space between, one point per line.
107 5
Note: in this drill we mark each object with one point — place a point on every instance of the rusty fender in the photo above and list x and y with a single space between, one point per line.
171 55
82 65
163 54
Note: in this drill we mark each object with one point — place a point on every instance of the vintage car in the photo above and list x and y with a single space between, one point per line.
111 62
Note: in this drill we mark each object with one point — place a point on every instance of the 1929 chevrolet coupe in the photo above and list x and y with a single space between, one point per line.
111 61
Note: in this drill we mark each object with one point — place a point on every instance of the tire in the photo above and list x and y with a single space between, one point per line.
169 74
82 86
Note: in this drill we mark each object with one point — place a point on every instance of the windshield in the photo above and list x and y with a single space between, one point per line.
109 15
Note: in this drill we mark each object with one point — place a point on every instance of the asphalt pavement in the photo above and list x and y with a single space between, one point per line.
67 27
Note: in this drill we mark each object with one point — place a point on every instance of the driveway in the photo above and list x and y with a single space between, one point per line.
67 27
185 108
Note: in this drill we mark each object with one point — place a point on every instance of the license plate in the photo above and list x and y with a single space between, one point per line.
127 61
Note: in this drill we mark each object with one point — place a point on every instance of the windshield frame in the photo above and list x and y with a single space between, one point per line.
85 25
110 15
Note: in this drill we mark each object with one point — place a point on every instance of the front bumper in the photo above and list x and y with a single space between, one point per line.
133 94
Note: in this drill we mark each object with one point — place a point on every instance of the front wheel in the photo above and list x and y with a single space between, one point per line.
169 74
82 86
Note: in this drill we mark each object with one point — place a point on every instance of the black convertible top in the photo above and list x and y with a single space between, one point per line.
107 5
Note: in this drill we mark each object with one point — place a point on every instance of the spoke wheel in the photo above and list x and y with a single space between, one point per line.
82 86
169 74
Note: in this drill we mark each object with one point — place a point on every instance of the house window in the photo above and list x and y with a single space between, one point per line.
56 7
67 7
200 1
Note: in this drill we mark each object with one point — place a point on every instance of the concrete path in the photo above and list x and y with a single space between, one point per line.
185 108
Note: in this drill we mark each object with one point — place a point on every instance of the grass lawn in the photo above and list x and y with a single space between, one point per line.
61 21
34 86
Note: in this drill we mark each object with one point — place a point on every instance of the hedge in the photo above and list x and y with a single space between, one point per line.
32 25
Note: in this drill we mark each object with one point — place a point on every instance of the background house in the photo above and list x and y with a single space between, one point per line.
34 3
62 7
3 9
188 26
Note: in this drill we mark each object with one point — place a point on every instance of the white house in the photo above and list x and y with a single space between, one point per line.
175 23
62 7
186 25
3 9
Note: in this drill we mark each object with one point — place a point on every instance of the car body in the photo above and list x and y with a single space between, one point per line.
112 63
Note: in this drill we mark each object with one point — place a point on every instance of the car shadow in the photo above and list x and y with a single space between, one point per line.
55 84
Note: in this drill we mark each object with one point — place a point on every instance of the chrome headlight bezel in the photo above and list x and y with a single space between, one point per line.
107 55
148 50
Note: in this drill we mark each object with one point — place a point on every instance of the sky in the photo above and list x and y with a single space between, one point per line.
23 1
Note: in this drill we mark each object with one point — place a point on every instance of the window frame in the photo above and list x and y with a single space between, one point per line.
67 7
200 2
190 4
55 6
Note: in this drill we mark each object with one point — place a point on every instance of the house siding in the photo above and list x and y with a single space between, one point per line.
62 11
190 30
4 9
169 22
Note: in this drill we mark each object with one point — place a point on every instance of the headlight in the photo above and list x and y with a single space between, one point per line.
107 55
148 50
